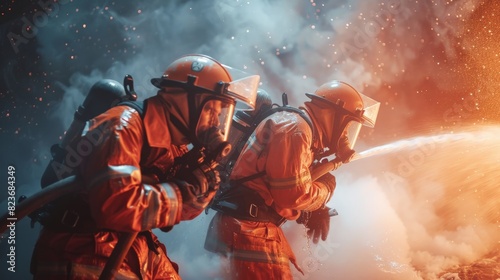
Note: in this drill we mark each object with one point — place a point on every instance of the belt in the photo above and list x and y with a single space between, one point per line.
71 215
69 221
246 204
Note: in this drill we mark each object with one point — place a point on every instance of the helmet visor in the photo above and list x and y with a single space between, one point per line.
369 117
370 111
245 92
352 132
243 87
214 121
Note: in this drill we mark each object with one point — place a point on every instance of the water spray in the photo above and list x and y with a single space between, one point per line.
332 163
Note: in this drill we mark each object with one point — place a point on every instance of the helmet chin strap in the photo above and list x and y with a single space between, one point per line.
338 128
308 116
179 125
193 121
319 152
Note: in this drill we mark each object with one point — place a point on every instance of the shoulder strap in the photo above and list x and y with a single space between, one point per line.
289 109
247 178
139 106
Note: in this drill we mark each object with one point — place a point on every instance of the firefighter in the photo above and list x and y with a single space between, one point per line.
271 182
129 182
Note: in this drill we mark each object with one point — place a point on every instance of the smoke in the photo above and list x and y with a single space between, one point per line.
389 50
413 57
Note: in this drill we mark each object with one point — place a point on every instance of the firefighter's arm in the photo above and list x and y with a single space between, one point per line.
118 198
289 175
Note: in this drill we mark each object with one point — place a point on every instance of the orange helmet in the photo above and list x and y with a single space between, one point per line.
196 72
338 111
204 79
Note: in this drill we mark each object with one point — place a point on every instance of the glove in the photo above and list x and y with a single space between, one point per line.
345 153
317 222
202 179
197 189
329 181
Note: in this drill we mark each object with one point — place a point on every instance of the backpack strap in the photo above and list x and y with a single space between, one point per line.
139 106
247 178
290 109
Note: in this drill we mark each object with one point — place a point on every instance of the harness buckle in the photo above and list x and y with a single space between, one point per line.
253 210
70 218
280 222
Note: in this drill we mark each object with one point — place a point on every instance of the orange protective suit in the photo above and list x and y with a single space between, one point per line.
280 146
119 150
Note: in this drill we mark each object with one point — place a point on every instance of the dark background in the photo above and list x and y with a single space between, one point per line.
433 66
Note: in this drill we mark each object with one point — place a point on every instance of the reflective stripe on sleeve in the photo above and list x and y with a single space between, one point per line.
254 146
291 182
174 203
258 256
150 213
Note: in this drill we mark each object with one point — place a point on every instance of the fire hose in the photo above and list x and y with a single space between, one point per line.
324 167
52 192
71 185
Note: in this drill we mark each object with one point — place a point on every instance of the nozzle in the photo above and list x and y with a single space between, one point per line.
222 150
332 212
